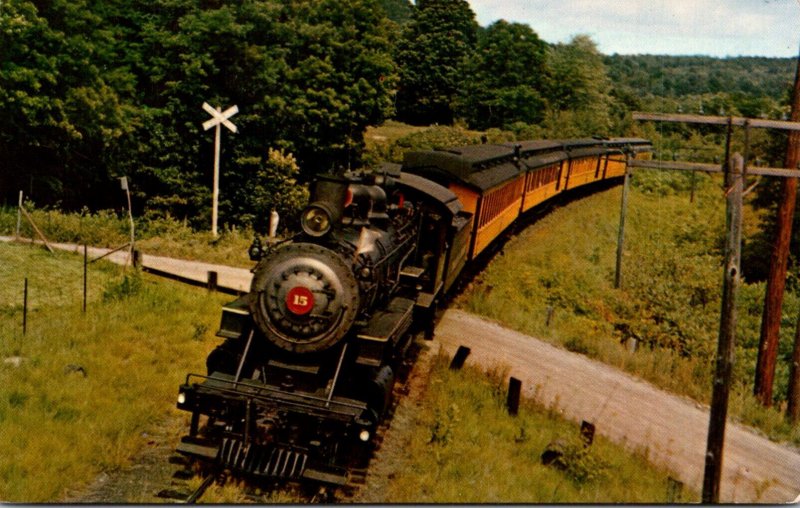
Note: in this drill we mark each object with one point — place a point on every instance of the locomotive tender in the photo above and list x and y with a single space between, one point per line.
305 373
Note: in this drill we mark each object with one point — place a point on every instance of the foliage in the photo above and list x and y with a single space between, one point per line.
578 86
504 77
271 186
432 54
680 76
65 112
580 463
399 11
422 139
100 89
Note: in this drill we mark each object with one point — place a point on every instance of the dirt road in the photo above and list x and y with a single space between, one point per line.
672 429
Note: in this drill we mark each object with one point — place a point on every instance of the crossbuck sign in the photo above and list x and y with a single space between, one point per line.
219 117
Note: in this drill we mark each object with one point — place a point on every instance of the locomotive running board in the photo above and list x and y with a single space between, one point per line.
385 326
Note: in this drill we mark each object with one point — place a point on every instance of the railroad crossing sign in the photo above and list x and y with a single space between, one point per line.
219 117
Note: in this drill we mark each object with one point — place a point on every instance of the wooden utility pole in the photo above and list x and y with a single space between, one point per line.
727 331
776 280
793 395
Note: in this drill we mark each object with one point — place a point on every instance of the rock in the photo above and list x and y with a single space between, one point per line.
14 361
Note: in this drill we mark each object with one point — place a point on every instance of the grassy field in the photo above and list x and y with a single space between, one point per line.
81 392
465 448
563 266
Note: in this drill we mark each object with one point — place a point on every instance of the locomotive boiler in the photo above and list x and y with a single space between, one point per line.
307 366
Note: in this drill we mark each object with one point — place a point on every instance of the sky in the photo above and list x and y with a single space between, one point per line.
717 28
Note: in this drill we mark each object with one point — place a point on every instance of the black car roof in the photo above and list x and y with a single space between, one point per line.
488 165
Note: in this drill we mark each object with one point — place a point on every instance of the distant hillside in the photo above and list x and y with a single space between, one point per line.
676 76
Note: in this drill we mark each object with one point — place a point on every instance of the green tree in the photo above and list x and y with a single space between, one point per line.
504 78
63 106
578 89
431 54
269 184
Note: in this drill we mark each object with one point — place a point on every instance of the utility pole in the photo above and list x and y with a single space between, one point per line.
776 280
793 395
727 330
623 212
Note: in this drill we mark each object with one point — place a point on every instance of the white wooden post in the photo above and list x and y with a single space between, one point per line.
123 181
19 215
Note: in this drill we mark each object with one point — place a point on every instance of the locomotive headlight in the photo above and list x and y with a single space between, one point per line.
181 398
364 435
316 220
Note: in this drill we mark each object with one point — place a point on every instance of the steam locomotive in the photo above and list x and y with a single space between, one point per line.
306 369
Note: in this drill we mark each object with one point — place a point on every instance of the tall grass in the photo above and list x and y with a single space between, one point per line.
80 390
563 267
465 448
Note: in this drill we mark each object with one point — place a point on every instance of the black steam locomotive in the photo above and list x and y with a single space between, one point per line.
308 363
307 368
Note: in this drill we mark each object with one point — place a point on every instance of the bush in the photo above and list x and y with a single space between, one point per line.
427 139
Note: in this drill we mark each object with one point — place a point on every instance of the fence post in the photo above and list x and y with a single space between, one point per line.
25 308
19 216
459 358
512 401
85 271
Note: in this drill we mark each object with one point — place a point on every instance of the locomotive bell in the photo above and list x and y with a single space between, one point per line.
328 196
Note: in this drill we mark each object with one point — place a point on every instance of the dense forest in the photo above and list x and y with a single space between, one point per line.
92 90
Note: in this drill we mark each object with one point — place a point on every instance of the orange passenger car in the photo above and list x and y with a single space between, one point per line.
497 183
